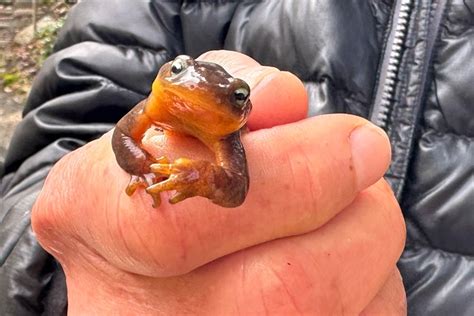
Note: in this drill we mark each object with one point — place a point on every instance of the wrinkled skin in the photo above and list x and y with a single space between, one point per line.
319 233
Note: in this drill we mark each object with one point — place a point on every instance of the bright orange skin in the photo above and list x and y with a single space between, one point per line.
199 101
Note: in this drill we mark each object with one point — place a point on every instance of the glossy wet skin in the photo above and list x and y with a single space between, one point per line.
198 99
194 98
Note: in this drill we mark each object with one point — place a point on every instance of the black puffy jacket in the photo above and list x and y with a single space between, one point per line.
408 65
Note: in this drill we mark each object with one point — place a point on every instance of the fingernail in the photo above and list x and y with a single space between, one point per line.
370 154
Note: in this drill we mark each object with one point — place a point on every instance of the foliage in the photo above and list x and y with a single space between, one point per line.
19 64
10 78
45 40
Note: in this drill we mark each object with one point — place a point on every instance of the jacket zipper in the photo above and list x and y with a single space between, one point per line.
392 110
384 96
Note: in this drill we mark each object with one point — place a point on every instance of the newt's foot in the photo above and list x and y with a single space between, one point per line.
146 180
143 181
185 176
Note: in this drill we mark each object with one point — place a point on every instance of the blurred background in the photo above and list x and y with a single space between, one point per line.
28 29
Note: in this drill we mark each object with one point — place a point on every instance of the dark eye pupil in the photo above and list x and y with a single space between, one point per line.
176 68
239 96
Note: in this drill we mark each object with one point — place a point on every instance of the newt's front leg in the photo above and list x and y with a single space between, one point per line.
126 144
225 182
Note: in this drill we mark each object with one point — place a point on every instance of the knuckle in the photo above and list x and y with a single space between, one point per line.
385 203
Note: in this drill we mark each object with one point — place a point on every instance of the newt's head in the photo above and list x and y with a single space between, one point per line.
199 98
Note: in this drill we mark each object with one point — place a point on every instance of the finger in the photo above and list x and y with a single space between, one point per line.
350 258
278 97
390 300
301 175
335 270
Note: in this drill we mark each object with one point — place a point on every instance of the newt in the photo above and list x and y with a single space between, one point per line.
198 99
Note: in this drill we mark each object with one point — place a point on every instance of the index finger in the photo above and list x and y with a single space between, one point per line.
301 175
284 99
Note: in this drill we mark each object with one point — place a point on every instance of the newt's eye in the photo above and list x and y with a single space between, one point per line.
241 96
178 66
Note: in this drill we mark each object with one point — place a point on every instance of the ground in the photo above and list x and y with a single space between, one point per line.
10 115
22 54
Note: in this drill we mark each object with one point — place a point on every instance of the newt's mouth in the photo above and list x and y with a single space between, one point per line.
197 99
197 111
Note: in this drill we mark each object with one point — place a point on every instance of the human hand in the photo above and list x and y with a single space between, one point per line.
319 233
